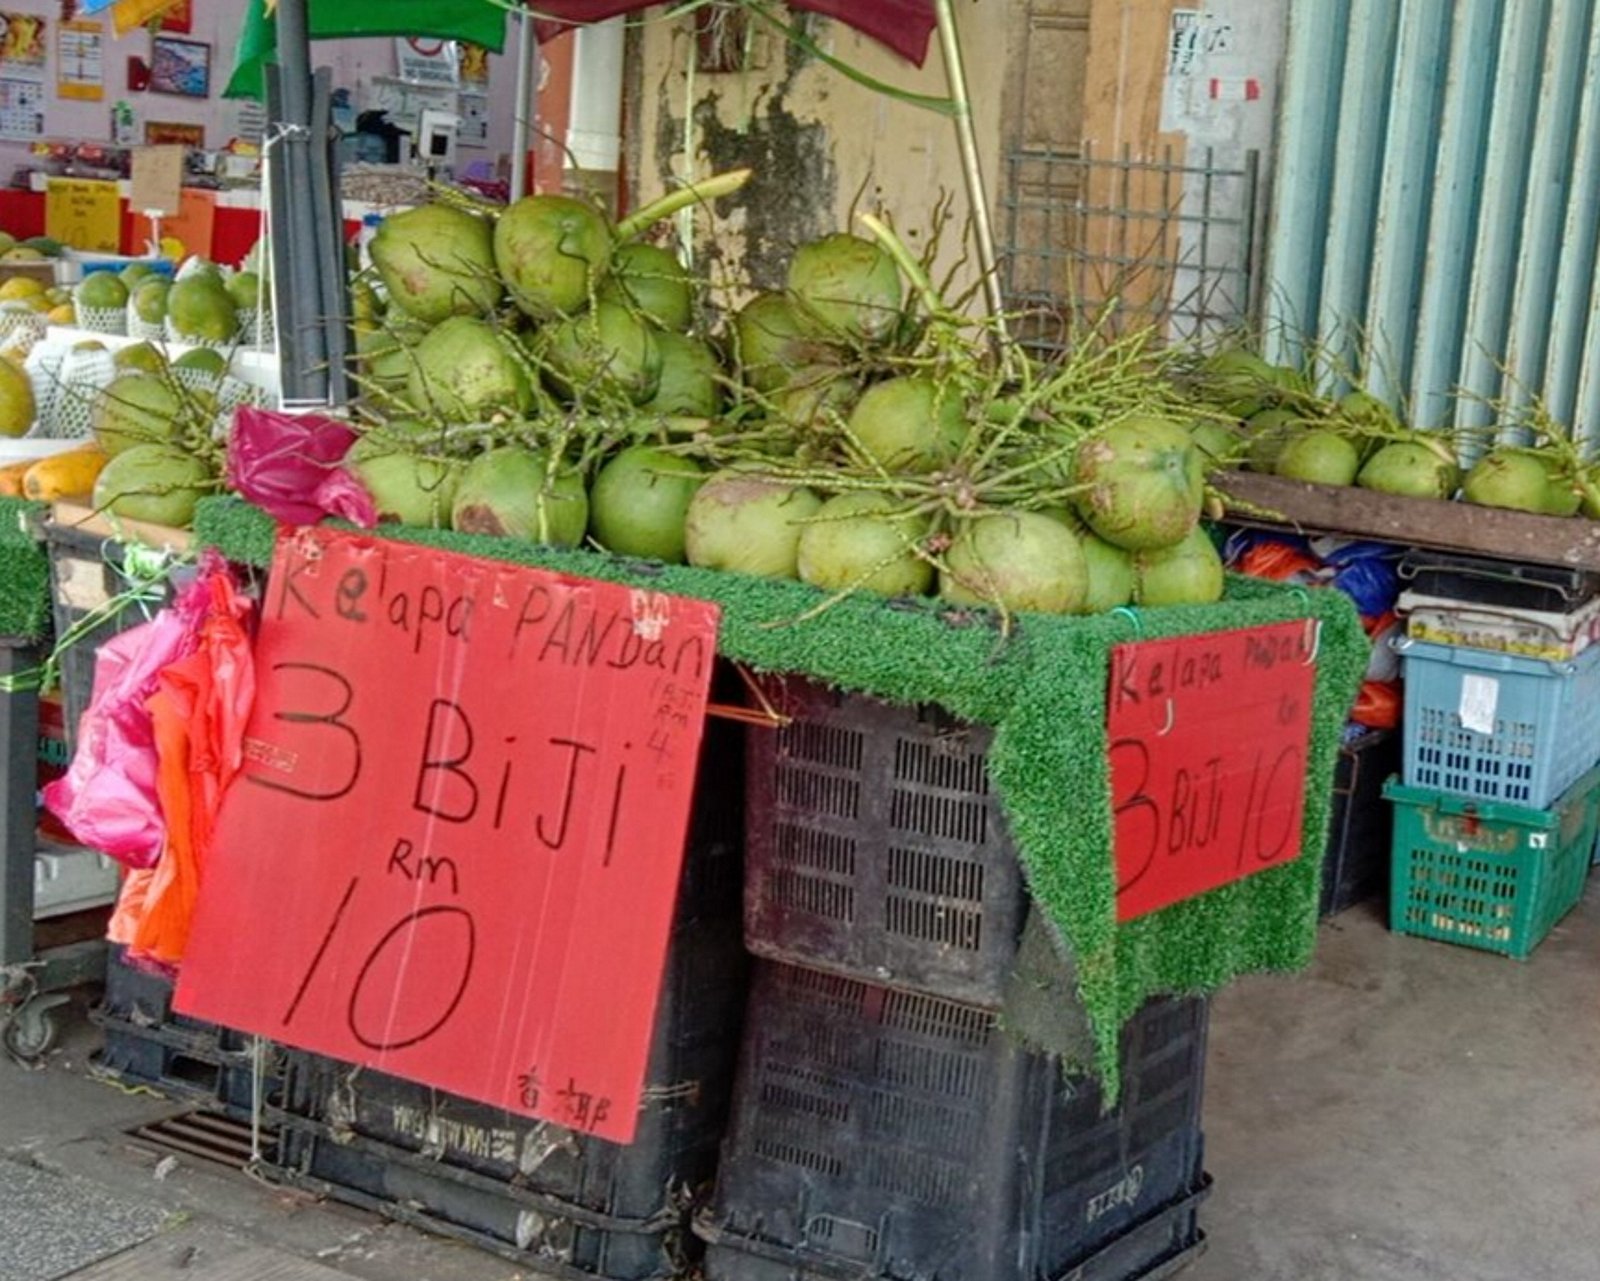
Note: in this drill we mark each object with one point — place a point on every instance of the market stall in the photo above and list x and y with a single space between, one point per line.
671 776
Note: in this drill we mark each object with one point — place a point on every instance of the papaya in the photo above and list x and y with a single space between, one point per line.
11 478
71 474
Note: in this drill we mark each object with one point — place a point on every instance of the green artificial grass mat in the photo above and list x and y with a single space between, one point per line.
1043 689
24 572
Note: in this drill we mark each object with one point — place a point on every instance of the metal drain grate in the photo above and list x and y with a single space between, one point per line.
212 1136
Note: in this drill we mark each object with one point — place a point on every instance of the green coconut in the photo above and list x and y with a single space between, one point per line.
552 251
846 288
651 281
1266 433
1016 561
771 343
1110 572
245 289
1142 482
1319 456
466 371
409 484
135 409
437 261
1517 480
640 502
1411 469
156 483
690 380
1238 382
608 353
1187 574
860 541
815 397
510 492
910 424
748 524
1219 443
199 308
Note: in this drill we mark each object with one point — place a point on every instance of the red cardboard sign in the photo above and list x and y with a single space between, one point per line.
1208 740
454 850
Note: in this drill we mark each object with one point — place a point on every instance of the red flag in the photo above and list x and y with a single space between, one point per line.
901 25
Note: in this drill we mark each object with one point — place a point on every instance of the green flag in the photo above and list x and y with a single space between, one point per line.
479 21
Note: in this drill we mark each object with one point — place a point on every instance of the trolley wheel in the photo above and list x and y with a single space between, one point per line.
32 1030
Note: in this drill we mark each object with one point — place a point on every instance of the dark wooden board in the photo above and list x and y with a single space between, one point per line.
1410 522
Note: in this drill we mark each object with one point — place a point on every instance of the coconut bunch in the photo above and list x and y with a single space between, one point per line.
504 357
549 376
933 459
1270 419
156 423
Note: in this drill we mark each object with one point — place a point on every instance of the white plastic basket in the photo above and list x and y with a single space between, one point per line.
1526 633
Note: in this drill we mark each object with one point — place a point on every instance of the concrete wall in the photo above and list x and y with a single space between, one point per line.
819 143
217 23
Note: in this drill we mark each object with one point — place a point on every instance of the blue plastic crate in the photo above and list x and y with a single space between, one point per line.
1546 723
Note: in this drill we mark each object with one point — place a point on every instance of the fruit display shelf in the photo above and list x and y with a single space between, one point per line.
1273 502
1043 690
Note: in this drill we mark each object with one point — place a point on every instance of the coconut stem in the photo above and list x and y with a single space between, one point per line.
906 261
694 193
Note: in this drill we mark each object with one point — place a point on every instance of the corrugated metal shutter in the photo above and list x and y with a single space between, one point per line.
1437 205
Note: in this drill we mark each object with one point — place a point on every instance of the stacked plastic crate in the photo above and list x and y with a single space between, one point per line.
562 1203
1498 803
885 1125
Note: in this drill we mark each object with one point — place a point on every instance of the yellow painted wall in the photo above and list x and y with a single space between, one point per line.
815 138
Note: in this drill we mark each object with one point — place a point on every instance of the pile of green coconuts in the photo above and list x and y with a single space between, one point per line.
542 373
1268 418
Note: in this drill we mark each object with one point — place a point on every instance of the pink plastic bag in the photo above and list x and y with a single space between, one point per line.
107 798
289 465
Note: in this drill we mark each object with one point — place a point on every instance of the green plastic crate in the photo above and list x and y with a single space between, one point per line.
1486 874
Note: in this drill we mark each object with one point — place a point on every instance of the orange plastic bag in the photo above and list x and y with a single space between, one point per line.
1378 705
199 711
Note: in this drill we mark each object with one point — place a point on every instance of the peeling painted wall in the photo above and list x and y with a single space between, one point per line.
820 144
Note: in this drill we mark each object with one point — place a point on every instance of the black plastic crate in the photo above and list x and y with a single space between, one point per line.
147 1042
210 1066
878 1133
1356 867
1157 1247
564 1202
876 848
1498 582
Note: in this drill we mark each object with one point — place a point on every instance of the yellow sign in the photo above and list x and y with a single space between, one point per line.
80 61
84 214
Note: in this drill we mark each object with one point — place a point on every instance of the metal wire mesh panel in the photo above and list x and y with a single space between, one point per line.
1167 241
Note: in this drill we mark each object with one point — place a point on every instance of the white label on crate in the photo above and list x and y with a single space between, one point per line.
1479 696
81 583
1539 840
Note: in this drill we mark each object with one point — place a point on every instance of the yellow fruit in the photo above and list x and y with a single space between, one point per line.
16 400
40 304
21 289
22 253
62 315
11 477
64 475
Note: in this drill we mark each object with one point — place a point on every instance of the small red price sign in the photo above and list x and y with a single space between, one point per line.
1208 740
454 847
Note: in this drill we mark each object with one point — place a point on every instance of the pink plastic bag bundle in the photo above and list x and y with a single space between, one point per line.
107 798
290 466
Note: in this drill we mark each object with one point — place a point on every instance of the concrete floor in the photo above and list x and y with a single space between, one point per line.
1409 1111
1406 1111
